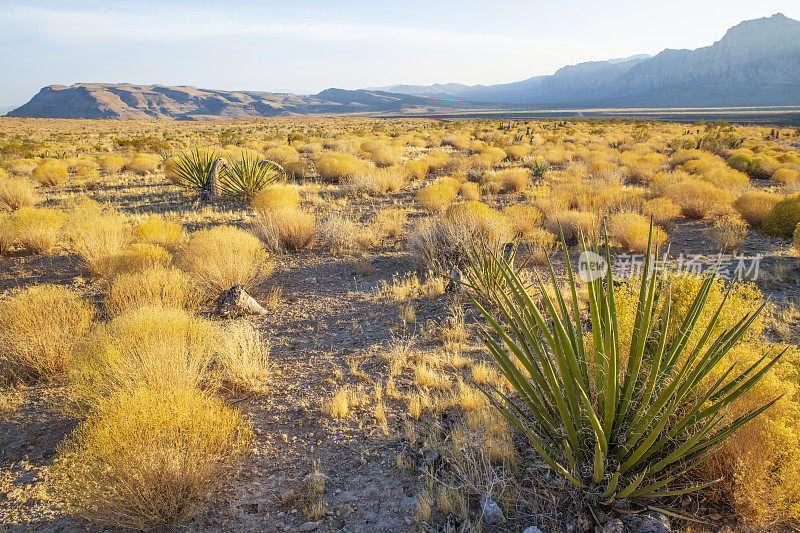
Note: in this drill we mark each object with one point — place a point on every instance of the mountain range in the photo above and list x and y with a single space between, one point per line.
756 63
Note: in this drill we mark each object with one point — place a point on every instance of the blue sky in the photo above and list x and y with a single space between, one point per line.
307 46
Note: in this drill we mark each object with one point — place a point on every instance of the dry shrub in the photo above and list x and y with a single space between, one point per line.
516 152
741 161
632 231
21 167
285 229
754 206
390 222
283 155
522 219
640 168
459 142
341 234
224 256
541 244
242 359
783 217
154 287
662 210
276 197
96 233
493 154
112 164
137 257
39 329
571 223
155 230
36 229
786 176
151 459
417 170
143 163
438 195
148 346
469 191
376 181
442 243
380 153
16 193
50 173
336 166
728 231
763 166
437 160
697 199
514 179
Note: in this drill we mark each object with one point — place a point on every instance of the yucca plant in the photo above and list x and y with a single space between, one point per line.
539 166
192 168
615 425
244 178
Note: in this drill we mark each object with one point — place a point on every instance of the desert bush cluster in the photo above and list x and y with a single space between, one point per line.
150 371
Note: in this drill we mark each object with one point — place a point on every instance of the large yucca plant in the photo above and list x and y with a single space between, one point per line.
616 425
245 177
192 168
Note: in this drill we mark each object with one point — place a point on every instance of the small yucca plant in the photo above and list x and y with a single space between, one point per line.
246 177
191 169
616 425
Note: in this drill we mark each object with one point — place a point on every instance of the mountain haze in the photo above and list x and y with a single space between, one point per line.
757 62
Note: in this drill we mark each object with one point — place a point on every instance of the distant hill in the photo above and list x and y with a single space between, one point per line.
126 101
757 62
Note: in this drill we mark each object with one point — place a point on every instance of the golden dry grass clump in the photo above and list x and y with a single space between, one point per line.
152 287
276 197
754 206
283 155
16 193
285 228
147 346
336 166
96 233
382 154
697 199
728 231
171 236
36 230
224 256
112 164
632 232
662 210
143 163
783 217
438 195
50 173
242 359
150 458
378 181
39 329
137 257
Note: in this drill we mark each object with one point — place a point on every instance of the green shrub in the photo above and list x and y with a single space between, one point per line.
783 218
614 423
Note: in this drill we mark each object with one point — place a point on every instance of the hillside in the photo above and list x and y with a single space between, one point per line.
126 101
757 62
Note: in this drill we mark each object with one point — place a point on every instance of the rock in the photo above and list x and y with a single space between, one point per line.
532 529
455 284
643 524
235 302
613 526
308 526
491 512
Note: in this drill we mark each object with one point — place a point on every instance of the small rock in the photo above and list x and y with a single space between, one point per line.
613 526
643 524
532 529
287 496
491 512
308 526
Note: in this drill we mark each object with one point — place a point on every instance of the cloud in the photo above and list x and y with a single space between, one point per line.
152 23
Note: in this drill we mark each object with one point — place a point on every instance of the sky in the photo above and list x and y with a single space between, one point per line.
307 46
